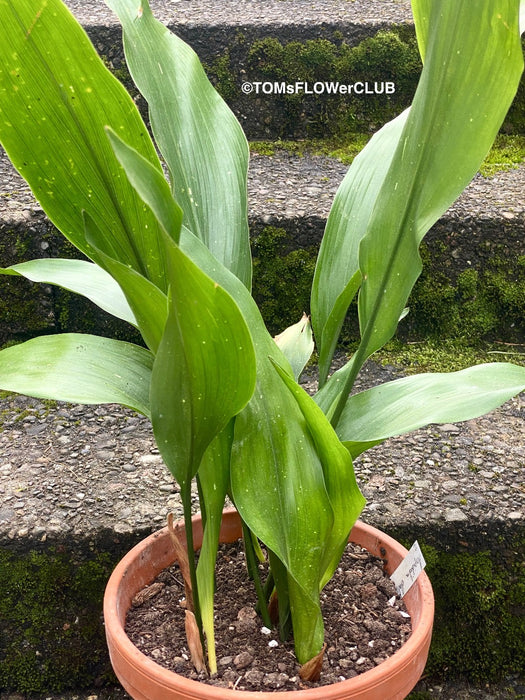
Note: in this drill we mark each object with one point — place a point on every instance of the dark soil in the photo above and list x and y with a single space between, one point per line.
362 627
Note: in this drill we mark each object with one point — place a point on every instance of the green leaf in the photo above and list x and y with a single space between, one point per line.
148 303
421 10
406 404
199 137
278 487
214 480
204 370
56 97
473 64
283 500
346 500
150 184
80 369
297 344
329 395
78 276
337 276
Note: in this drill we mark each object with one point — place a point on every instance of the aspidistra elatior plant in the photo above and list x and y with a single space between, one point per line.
171 256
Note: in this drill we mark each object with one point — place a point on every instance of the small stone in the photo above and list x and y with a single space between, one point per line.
179 663
150 459
243 660
448 428
254 676
225 660
275 680
247 613
515 515
455 515
449 485
72 505
422 484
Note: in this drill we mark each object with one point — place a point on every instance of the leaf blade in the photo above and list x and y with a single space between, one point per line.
80 277
204 370
79 369
198 135
57 98
296 343
403 405
473 64
337 274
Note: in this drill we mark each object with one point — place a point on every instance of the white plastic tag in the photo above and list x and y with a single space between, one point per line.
407 572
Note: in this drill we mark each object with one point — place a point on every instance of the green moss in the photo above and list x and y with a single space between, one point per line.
282 278
52 637
477 318
342 148
389 56
479 626
481 305
508 152
446 355
221 74
40 408
122 74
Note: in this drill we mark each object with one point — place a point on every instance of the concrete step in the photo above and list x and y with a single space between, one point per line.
290 198
232 38
511 688
227 37
210 27
79 485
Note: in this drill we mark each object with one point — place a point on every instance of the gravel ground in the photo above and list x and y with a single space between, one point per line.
511 689
74 470
284 186
242 12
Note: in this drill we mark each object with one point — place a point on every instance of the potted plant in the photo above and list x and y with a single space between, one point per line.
172 257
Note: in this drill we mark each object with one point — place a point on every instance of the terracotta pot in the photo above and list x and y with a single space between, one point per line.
143 679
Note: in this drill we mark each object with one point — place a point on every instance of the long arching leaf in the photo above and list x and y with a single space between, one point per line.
406 404
56 97
456 113
198 135
77 276
337 275
80 369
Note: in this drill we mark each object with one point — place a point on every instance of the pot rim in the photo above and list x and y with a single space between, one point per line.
421 632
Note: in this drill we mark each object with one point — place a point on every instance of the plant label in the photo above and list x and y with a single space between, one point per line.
407 572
